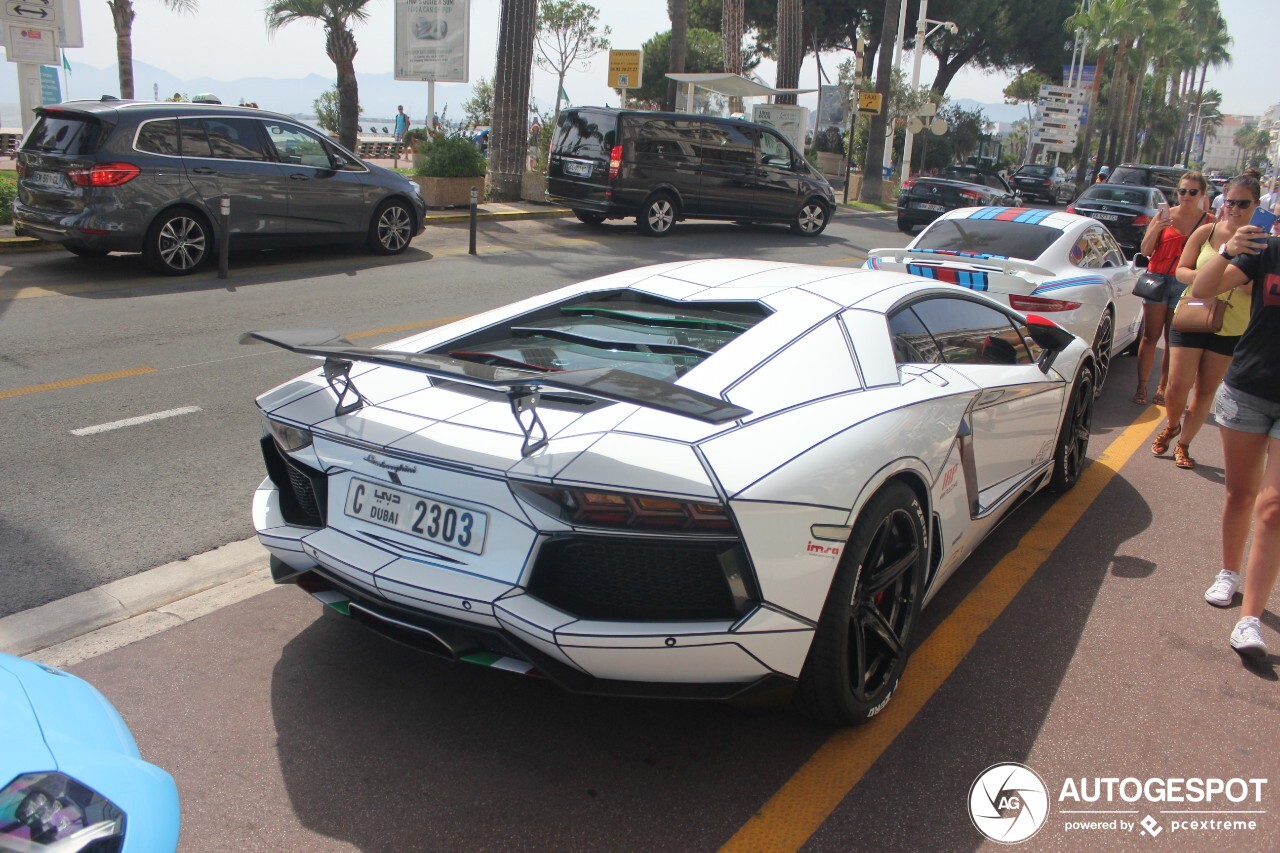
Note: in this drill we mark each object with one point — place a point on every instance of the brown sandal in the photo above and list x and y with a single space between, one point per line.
1160 446
1158 399
1182 458
1140 396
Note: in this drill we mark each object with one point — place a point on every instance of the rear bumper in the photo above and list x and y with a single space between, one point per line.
84 229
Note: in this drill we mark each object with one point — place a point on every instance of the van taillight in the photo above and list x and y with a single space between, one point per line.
104 175
615 161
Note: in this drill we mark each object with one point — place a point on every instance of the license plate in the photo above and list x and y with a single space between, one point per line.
580 170
436 521
46 179
924 205
1106 217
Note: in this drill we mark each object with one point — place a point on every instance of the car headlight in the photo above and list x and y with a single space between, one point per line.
54 811
414 188
290 438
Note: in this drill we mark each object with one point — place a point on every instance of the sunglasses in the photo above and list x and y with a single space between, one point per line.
1188 191
1237 202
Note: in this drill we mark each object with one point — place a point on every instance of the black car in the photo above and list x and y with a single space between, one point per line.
923 200
1144 175
664 167
1126 210
140 176
1038 181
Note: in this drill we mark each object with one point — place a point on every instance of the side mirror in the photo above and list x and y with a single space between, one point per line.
1140 261
1051 337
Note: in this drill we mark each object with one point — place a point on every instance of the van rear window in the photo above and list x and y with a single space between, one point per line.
589 135
64 133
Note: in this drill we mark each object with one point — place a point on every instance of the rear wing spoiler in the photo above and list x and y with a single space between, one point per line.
521 387
986 263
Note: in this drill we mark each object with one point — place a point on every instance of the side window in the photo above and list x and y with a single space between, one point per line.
773 151
158 137
970 333
727 145
912 343
295 146
1104 248
1082 254
195 142
235 138
666 139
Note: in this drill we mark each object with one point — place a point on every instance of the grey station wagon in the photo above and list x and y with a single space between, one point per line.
134 176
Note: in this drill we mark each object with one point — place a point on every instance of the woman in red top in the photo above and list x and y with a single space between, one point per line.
1163 243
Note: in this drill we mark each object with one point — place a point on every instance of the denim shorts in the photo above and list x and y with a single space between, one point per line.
1246 413
1171 293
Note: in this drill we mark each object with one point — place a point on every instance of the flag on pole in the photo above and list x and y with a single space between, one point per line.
66 66
564 97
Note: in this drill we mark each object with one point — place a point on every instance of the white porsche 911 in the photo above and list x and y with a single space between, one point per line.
1036 261
701 479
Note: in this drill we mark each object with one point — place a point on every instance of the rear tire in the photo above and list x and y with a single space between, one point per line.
391 228
657 215
1103 341
1073 436
864 634
588 217
812 218
178 242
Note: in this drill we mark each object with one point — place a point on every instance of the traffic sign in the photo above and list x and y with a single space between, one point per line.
869 102
626 69
39 13
1064 93
1061 109
34 45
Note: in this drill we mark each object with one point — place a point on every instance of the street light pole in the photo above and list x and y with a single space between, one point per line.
897 60
922 33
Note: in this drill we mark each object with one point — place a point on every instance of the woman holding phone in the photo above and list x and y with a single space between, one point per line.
1199 360
1162 243
1248 415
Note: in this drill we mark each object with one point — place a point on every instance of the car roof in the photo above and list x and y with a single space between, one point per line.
145 109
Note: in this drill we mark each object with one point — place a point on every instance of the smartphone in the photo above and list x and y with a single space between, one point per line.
1163 207
1263 219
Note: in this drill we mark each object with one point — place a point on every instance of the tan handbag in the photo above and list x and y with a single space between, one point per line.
1199 314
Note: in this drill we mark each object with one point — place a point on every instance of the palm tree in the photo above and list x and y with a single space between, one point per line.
731 30
1214 50
339 44
790 47
122 16
871 175
678 10
509 136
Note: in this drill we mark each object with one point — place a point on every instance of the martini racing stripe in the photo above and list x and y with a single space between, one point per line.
1059 283
964 278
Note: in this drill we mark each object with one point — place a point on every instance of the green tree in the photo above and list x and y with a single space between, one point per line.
509 134
336 17
122 16
326 108
568 34
871 176
478 109
1025 89
703 55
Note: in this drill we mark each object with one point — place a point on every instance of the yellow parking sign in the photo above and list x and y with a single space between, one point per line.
626 69
869 102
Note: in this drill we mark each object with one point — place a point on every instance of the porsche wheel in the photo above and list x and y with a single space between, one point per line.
812 218
657 215
391 228
1103 340
178 242
1073 436
864 634
588 217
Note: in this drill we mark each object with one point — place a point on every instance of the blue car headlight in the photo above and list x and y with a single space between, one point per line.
52 810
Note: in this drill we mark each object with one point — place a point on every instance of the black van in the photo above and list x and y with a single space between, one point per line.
663 167
1166 178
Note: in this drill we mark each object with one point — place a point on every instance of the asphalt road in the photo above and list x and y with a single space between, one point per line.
1074 641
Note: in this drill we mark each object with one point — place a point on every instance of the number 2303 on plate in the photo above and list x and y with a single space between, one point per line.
425 518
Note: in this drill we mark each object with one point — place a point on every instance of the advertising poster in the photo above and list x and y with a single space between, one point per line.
432 40
833 118
788 119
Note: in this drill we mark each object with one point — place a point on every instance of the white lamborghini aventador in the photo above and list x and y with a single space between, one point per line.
700 479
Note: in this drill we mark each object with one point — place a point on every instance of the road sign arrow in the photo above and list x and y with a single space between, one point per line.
40 12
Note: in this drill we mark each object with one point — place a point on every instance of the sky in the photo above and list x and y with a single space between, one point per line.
227 40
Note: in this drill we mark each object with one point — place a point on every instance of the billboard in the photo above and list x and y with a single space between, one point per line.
432 40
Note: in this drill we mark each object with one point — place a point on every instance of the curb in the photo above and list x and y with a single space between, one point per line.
25 244
432 219
76 615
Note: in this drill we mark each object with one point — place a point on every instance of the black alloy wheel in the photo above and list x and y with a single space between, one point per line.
1103 340
864 634
588 217
812 218
657 216
178 242
391 228
1073 436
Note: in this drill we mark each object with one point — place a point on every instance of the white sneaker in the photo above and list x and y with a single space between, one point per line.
1223 590
1246 639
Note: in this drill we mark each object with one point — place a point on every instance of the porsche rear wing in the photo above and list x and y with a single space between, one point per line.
521 387
986 263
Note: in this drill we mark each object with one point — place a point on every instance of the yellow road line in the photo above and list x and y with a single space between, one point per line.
809 797
72 383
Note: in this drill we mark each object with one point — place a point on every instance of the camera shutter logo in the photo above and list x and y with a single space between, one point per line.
1008 803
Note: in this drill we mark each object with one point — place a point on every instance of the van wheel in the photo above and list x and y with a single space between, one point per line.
391 228
589 218
812 218
657 216
178 242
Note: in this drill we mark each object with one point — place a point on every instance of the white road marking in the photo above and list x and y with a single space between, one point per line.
141 419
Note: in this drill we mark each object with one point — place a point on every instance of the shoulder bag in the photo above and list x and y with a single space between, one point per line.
1151 285
1199 314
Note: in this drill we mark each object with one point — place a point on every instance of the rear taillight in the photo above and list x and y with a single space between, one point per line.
908 184
1047 182
592 508
1142 219
615 161
1038 303
1071 208
104 175
971 198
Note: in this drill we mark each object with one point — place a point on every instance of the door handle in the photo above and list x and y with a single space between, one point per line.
298 176
203 170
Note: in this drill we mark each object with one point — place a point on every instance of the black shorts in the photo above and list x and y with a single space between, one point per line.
1220 344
